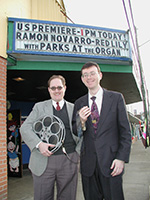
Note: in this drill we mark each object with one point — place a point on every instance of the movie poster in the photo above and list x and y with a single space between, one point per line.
14 150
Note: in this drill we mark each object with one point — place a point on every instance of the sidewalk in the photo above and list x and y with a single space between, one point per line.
137 173
136 180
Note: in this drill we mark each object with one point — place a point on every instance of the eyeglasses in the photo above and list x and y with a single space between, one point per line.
91 74
58 88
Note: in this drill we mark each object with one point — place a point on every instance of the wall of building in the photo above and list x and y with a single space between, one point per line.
15 8
30 9
3 150
48 10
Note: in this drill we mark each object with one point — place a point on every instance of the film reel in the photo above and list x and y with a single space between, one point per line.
50 129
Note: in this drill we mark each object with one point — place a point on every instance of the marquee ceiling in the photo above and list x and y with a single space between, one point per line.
34 86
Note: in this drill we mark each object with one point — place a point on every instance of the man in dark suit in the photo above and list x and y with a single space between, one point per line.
103 123
47 168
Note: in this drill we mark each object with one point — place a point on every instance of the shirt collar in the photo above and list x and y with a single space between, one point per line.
98 94
61 103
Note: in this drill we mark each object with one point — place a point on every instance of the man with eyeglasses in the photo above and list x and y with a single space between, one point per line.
100 117
50 169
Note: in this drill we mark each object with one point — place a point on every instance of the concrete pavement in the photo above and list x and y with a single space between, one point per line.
136 180
137 173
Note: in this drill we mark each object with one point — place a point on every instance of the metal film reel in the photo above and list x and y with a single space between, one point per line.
50 129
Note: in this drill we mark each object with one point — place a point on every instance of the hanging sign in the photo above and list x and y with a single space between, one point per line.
32 36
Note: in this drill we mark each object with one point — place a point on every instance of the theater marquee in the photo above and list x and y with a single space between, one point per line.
64 39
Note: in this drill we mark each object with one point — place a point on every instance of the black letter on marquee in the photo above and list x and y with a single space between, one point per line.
53 38
74 48
34 26
97 50
60 47
66 47
25 36
32 36
80 46
93 33
27 27
68 31
48 46
40 28
54 47
18 36
42 45
39 36
87 32
19 27
97 42
118 52
102 51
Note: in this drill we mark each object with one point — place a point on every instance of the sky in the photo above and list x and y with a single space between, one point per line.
111 14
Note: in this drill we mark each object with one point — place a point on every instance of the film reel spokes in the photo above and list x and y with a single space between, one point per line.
50 129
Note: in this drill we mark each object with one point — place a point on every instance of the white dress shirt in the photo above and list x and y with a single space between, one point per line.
61 103
98 100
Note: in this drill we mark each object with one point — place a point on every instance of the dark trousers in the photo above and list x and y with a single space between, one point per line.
99 187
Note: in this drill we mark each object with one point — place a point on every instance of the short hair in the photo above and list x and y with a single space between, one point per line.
59 77
90 64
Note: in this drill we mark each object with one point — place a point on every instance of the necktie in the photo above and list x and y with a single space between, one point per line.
94 114
58 107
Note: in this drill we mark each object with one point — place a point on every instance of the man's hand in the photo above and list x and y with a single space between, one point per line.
84 113
43 147
117 166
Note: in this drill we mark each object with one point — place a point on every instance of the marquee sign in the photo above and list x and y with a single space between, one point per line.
64 39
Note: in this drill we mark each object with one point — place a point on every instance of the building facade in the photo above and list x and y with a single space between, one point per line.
38 42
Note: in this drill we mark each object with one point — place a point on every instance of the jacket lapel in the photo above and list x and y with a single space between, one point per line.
106 104
49 107
85 102
69 111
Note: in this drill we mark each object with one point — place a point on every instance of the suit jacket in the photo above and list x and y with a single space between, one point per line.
38 162
113 137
